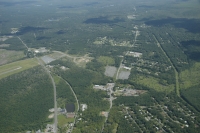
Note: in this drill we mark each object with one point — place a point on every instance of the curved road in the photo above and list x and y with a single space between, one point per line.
76 102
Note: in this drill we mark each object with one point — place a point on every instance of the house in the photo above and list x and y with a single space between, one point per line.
83 107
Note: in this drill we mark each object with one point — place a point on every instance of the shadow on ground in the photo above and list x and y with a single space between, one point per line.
191 25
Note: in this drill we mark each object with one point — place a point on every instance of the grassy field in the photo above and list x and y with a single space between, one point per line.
106 60
18 66
154 83
63 120
8 56
190 77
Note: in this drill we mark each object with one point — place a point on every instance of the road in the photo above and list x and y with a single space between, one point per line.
127 113
110 100
73 57
71 129
54 86
77 106
55 101
165 111
175 71
120 66
23 43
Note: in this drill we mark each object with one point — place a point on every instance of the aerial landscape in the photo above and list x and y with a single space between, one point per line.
109 66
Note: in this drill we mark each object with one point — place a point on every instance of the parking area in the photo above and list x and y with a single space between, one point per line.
47 59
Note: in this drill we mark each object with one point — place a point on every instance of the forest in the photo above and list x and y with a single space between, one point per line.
141 114
25 100
82 84
158 41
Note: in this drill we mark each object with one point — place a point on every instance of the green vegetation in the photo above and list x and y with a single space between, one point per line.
10 56
25 99
152 112
81 81
154 83
191 95
63 120
106 60
64 93
16 67
190 77
158 40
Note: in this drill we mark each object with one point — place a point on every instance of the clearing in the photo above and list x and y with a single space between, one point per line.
7 56
110 71
124 74
47 59
18 66
154 83
191 77
106 60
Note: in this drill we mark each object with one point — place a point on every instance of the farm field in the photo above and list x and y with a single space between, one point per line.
16 67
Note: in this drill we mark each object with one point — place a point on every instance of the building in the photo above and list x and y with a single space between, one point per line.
83 107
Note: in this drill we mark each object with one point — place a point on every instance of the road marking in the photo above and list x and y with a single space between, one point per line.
10 70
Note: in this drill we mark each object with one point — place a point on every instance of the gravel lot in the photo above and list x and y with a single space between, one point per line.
47 59
124 74
110 71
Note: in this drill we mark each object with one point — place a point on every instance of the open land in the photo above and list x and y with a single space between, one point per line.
110 71
149 51
8 56
124 74
15 67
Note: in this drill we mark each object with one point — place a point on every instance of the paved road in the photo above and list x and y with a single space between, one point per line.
110 99
55 101
54 86
71 129
73 57
120 66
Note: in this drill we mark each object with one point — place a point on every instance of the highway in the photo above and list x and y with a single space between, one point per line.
54 89
54 86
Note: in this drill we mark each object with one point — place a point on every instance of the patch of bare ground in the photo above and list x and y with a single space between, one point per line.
110 71
124 74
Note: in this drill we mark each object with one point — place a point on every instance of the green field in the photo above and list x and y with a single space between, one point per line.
154 83
63 120
15 67
190 77
106 60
